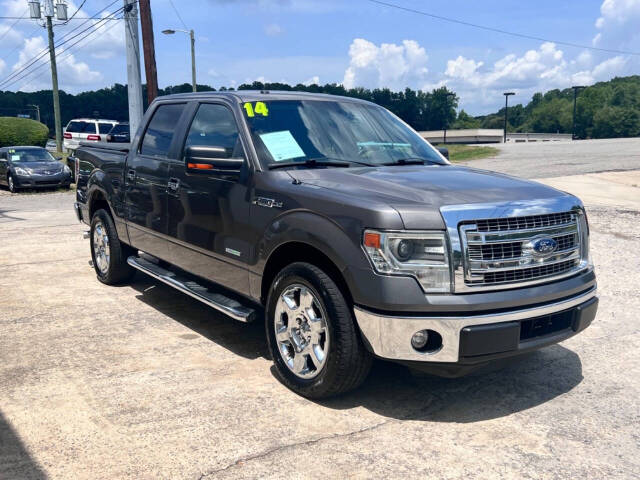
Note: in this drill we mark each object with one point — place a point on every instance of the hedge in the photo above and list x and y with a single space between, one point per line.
22 131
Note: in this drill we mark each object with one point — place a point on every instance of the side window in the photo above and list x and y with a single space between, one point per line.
105 127
157 139
214 126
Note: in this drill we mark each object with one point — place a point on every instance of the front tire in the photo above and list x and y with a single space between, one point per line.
109 255
312 336
11 183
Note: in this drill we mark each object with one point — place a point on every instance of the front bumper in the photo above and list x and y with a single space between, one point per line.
478 338
43 181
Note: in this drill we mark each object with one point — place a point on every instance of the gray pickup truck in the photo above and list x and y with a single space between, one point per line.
339 225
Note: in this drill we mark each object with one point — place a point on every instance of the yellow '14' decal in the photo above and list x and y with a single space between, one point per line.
260 108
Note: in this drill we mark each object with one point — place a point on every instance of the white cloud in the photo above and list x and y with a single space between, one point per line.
618 24
2 65
273 30
388 65
315 80
71 72
462 67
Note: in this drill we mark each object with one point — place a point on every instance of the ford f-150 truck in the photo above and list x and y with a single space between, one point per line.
347 232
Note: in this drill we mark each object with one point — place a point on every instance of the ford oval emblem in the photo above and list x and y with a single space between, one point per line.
544 246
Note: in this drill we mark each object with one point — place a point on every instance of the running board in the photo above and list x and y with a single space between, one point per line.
217 301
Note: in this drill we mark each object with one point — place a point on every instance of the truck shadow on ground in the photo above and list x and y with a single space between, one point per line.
15 460
392 390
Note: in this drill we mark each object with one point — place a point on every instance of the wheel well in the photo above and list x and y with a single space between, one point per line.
97 202
301 252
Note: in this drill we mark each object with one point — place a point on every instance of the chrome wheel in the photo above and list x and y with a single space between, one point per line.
101 249
301 331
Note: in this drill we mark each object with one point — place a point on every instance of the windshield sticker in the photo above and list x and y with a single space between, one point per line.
282 145
15 158
260 108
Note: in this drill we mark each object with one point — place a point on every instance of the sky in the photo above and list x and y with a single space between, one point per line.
353 42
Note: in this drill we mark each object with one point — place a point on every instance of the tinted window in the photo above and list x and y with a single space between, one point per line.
157 139
81 127
214 126
105 127
120 128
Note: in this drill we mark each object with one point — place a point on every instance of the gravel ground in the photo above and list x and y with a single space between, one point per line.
140 381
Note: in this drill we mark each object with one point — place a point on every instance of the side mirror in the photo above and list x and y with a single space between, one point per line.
211 160
58 157
444 152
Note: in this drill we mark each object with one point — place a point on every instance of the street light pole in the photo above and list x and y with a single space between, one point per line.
446 106
506 106
37 108
576 88
171 31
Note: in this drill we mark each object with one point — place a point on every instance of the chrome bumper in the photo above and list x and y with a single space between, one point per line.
390 336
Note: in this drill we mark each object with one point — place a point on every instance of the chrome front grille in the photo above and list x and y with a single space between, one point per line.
508 251
523 223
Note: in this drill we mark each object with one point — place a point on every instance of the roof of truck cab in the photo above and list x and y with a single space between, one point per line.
257 95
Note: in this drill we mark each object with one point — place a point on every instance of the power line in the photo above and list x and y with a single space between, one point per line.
76 12
14 24
498 30
178 14
68 51
65 39
46 50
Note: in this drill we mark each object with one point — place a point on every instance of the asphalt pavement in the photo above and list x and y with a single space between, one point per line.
140 381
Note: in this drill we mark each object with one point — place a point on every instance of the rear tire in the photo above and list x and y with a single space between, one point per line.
312 335
108 253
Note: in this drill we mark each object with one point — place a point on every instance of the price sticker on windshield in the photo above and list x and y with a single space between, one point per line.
260 108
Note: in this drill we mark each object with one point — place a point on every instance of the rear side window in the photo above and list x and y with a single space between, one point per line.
81 127
105 127
214 126
119 129
157 139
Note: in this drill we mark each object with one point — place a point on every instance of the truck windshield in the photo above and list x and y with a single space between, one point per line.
296 131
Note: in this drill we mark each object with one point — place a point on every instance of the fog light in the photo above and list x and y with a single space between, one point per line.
420 339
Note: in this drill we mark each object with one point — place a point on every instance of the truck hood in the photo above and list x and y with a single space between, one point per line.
418 192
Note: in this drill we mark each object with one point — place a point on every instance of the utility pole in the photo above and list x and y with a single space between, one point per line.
48 12
575 96
193 60
151 72
133 65
506 106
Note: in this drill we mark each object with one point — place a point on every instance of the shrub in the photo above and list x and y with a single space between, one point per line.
22 131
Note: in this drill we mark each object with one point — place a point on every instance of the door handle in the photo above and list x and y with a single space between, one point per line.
131 175
173 184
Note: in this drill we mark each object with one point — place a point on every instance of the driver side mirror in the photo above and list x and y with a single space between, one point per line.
212 160
444 152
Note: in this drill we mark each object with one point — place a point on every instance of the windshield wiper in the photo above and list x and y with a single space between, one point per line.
319 162
409 161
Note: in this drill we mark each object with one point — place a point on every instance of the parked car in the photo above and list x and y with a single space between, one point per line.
119 133
32 167
86 130
51 145
354 235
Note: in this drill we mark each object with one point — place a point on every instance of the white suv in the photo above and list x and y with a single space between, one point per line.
86 130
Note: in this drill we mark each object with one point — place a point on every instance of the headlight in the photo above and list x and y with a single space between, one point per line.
22 171
67 169
423 255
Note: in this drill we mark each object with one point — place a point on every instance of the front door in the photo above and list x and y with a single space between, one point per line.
209 212
146 176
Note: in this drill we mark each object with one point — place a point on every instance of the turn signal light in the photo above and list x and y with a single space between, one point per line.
68 135
93 138
200 166
372 240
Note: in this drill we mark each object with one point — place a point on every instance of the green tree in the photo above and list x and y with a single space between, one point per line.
465 120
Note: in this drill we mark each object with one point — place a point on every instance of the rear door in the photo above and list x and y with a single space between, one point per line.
209 212
146 176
